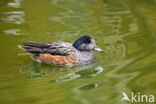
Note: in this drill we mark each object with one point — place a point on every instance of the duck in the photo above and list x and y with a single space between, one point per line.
63 53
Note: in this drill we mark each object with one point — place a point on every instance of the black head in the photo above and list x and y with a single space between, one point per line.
86 43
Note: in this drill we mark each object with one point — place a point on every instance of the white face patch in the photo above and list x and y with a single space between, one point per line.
93 41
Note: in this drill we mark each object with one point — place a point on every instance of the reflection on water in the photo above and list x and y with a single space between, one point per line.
64 73
125 30
10 17
14 17
15 4
13 31
89 86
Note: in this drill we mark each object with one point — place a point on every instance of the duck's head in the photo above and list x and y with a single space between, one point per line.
86 43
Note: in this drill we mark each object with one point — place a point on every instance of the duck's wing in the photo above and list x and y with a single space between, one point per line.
60 48
54 48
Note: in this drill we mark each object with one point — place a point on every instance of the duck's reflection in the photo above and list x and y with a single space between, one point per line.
63 73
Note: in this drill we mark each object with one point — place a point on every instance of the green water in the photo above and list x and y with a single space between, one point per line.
124 29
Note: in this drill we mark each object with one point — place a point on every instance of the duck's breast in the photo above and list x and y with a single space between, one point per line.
85 57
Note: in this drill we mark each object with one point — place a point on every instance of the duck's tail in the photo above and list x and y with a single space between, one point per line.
33 48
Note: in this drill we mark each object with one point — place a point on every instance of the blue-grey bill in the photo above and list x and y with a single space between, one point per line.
97 49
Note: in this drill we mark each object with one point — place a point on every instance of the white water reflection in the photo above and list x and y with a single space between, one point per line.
15 4
99 69
14 32
15 12
15 17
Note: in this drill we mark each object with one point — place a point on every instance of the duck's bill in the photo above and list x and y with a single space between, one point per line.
97 49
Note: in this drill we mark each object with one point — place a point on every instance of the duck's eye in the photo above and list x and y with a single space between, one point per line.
87 42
